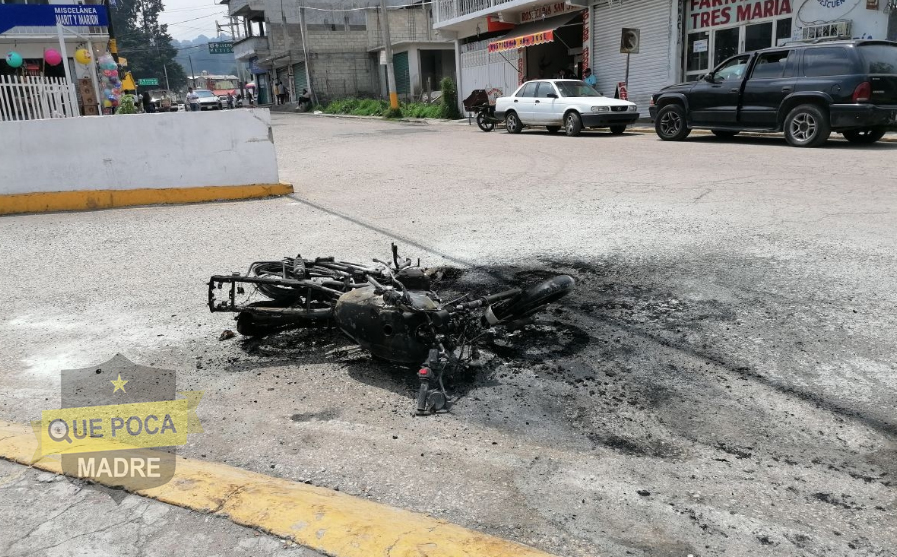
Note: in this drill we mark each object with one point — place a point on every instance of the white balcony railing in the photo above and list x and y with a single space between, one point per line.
451 9
250 47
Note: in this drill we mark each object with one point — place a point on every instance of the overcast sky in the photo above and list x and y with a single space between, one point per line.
187 19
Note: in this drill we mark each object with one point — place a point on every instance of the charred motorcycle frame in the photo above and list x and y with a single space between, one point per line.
389 310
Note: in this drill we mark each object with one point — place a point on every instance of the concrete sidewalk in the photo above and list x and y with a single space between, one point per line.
50 515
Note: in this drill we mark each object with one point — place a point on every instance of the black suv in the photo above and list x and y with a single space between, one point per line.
806 90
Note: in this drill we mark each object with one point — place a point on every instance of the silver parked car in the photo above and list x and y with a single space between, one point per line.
568 103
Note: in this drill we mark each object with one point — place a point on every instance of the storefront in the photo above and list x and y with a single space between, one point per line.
549 46
716 30
537 43
656 62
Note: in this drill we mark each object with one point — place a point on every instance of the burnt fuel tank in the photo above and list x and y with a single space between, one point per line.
385 331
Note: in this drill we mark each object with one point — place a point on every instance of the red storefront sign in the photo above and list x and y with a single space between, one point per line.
521 42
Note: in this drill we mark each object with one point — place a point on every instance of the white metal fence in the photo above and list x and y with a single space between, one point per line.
450 9
36 98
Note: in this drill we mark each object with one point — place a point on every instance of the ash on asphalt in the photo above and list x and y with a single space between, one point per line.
628 369
586 355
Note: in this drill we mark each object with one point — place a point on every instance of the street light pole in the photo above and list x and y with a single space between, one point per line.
390 69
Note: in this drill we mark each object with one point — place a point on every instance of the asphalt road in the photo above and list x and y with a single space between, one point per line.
721 382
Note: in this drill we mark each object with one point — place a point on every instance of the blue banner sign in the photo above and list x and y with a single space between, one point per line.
15 15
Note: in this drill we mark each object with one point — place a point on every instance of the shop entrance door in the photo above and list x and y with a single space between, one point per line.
721 43
757 36
725 44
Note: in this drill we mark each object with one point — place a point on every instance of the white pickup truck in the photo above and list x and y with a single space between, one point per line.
568 103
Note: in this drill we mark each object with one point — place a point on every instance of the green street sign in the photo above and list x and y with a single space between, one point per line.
148 81
222 47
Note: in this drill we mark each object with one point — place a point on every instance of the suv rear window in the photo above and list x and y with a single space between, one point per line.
879 58
819 62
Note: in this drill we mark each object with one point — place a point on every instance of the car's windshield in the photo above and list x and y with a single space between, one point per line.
880 58
205 94
576 89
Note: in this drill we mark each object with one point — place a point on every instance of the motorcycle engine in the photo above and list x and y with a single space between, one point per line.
386 331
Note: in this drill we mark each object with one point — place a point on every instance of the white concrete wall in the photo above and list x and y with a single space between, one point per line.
866 24
166 150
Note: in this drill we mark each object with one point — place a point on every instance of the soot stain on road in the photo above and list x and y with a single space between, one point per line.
626 364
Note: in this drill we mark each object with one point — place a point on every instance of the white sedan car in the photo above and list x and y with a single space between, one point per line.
567 103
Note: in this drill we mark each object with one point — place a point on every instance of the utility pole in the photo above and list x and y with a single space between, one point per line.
165 69
192 73
286 42
303 30
390 69
113 45
233 38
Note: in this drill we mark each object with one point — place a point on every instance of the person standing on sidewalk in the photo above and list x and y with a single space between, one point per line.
589 78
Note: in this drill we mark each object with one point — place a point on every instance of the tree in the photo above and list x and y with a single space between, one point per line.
145 42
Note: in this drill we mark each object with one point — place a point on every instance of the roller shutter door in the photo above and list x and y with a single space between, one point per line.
655 66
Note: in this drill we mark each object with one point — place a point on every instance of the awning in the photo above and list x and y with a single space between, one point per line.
529 34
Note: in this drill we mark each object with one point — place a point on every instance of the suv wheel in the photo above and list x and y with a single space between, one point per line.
617 130
807 126
869 135
512 123
572 124
670 123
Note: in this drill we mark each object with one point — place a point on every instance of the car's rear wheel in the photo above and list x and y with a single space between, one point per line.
512 123
670 124
864 137
617 130
553 129
724 134
572 124
807 126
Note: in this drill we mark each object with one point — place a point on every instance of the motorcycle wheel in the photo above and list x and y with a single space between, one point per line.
282 294
484 122
542 294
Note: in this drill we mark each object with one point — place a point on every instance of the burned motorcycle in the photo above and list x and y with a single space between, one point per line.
389 310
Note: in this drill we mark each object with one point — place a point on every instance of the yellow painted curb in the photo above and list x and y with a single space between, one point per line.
328 521
84 200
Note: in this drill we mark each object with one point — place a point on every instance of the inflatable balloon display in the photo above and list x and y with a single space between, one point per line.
14 59
82 56
52 57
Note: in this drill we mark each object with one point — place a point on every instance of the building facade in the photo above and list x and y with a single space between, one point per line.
335 49
32 42
501 43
